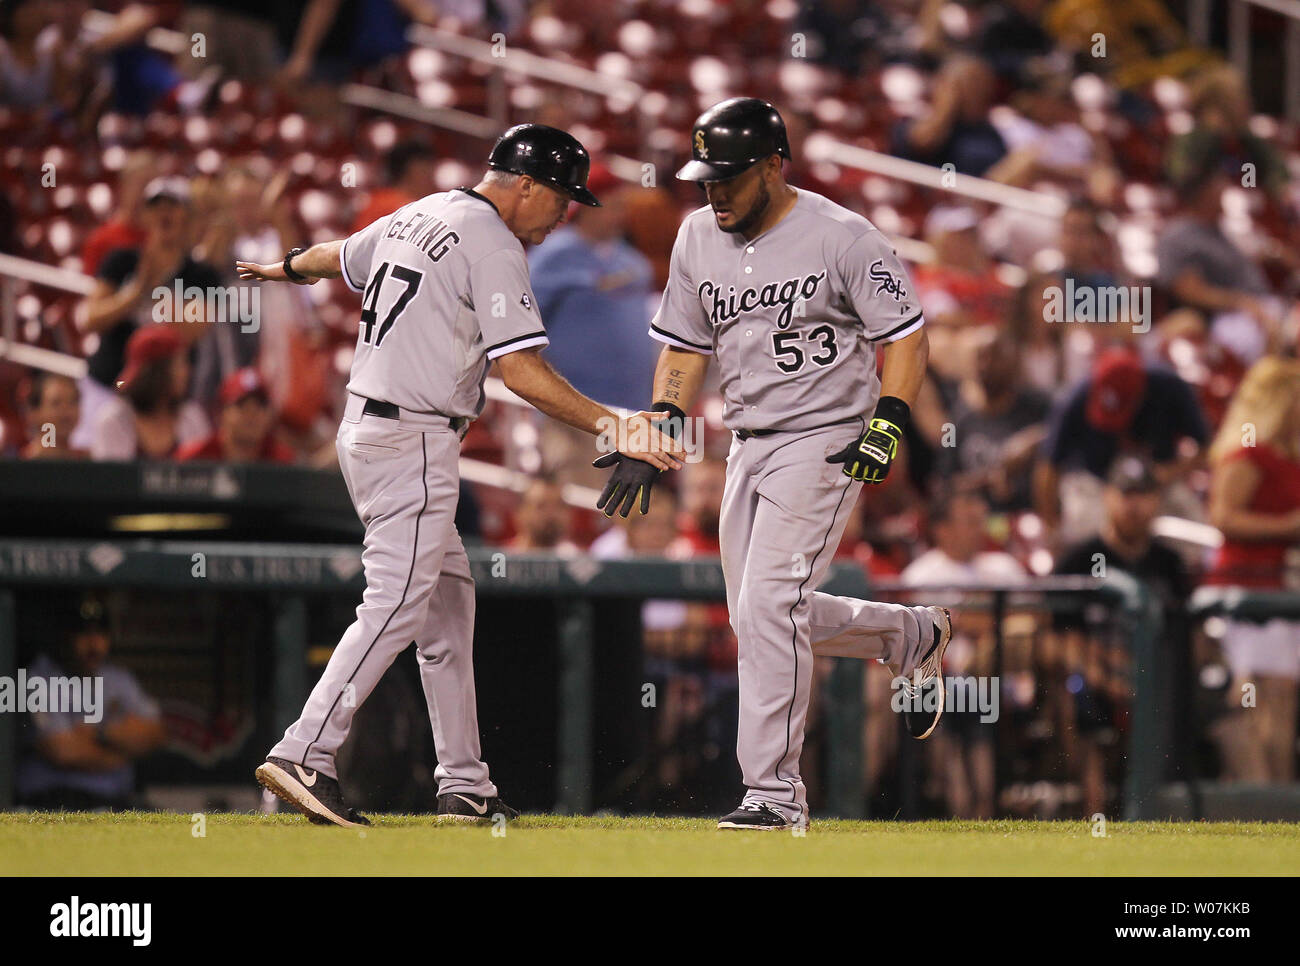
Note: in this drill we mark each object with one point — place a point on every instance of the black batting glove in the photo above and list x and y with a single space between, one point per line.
867 459
629 478
633 476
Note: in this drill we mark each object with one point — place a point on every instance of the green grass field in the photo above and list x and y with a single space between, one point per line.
164 844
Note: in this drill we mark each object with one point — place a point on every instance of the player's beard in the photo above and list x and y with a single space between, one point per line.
755 213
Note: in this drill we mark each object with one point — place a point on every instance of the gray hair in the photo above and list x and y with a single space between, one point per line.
502 179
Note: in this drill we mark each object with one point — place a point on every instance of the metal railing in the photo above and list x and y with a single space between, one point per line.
96 23
573 587
403 105
1130 603
519 61
1244 603
823 147
14 270
506 61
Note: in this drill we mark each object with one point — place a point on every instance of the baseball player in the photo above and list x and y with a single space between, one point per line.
444 292
794 295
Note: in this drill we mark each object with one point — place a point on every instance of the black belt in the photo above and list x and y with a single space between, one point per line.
386 410
374 407
744 434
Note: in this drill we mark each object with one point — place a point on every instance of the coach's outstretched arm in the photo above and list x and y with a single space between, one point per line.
530 377
319 261
868 458
525 372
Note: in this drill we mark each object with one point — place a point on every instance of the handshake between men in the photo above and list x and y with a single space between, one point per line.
633 477
866 459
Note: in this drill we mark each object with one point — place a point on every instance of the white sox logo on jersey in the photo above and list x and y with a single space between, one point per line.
887 281
770 296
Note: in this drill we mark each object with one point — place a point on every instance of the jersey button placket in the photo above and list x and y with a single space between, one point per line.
750 348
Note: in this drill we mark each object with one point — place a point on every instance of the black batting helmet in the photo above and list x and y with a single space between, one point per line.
548 155
731 136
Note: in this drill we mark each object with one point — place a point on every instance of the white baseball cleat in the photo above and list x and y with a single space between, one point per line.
925 694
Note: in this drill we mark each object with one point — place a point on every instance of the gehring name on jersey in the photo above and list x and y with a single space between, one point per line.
430 235
783 294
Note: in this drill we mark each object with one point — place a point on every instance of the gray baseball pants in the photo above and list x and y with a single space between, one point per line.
403 477
784 510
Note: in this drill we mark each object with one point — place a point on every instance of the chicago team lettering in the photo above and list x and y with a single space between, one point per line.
783 294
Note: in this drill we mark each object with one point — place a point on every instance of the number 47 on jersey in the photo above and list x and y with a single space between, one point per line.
370 301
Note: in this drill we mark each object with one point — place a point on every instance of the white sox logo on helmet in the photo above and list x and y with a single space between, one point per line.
784 294
700 149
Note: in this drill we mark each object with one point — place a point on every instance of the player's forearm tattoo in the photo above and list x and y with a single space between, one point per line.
673 385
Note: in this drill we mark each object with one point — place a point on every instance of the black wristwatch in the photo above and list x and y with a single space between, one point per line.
289 273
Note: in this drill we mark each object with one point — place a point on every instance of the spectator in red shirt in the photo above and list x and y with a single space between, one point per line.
132 290
960 291
961 286
245 426
1255 501
124 229
408 173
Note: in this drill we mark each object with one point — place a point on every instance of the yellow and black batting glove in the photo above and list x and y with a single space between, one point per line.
867 459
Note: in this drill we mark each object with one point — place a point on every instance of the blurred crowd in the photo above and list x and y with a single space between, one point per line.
1116 380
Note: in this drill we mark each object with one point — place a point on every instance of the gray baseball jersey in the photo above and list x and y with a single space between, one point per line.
793 315
445 290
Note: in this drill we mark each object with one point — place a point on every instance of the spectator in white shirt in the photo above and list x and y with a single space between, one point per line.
958 557
963 752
